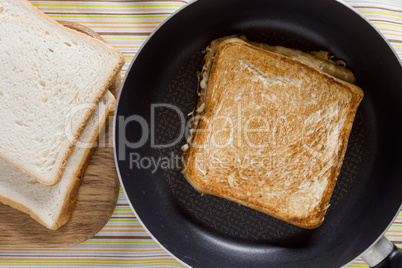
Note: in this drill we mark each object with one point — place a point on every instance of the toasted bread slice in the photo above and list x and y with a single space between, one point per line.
269 132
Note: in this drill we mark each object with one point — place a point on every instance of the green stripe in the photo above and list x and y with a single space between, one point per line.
123 209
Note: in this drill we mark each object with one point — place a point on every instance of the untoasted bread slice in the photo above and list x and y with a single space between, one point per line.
49 74
269 132
52 206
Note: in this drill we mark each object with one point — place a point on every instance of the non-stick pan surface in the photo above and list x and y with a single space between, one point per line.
205 231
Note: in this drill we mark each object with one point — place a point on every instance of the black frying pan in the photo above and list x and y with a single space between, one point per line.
205 231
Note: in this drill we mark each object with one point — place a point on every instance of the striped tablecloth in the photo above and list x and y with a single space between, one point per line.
125 24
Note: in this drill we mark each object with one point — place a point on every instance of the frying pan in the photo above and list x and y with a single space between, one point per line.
159 91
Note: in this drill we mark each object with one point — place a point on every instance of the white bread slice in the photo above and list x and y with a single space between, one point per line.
48 73
52 206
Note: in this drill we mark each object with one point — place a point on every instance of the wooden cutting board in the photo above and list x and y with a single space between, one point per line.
97 198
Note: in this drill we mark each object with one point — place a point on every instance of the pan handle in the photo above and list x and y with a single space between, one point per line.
383 254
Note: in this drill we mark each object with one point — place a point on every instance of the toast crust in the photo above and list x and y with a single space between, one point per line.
297 184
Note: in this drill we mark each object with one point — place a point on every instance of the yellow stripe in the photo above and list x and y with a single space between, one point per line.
385 23
78 5
92 11
366 12
127 47
111 16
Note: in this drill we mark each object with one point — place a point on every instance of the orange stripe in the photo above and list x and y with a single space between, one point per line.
125 226
128 47
121 231
118 22
124 27
392 235
389 30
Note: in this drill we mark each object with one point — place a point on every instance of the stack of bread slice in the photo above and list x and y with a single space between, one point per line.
54 102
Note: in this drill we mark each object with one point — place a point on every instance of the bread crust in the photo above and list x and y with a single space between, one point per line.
71 196
221 183
21 208
61 162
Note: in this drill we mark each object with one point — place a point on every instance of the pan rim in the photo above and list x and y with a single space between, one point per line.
114 131
396 56
118 103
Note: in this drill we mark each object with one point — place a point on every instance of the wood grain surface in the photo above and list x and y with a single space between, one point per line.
97 198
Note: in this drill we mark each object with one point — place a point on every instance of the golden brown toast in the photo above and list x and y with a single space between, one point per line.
269 132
